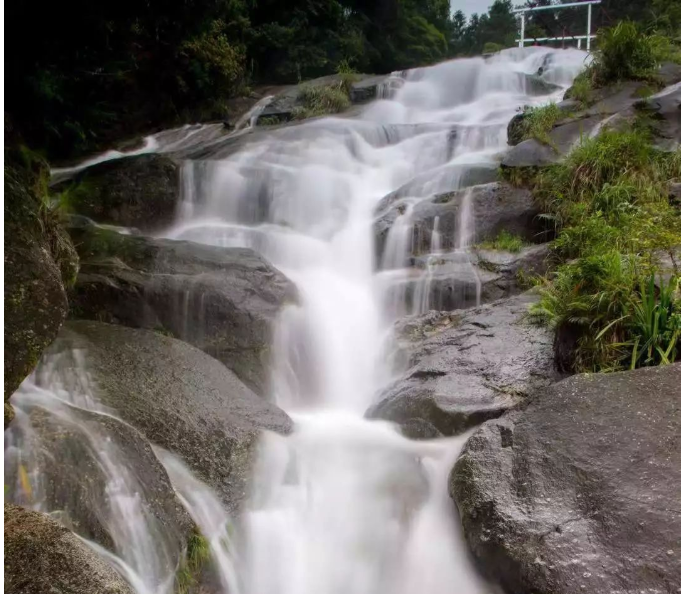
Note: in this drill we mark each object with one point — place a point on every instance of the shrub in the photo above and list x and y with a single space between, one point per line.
491 47
539 121
197 555
504 241
581 87
321 100
626 53
609 202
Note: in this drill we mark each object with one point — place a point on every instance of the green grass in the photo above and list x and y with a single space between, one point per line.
626 52
609 203
197 555
538 122
582 88
322 100
504 241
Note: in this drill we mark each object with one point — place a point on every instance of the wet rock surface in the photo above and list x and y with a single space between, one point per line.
43 556
179 398
579 491
67 449
469 366
222 300
139 191
494 207
40 264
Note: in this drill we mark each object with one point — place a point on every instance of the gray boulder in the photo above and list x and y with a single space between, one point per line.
40 264
478 276
140 191
179 398
67 449
579 492
43 556
222 300
470 366
495 207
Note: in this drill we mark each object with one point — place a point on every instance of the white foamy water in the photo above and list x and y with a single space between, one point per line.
344 505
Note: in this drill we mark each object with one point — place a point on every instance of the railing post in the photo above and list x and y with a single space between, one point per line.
521 34
588 30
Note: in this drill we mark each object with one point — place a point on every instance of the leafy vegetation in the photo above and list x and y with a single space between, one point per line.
539 121
504 241
321 100
197 555
609 203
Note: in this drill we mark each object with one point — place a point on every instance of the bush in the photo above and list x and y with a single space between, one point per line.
539 121
321 100
609 202
504 241
581 88
626 53
491 47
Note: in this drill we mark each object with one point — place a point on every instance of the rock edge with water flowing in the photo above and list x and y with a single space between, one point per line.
42 556
579 492
224 301
179 398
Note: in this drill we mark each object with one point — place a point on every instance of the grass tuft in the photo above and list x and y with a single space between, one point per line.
504 241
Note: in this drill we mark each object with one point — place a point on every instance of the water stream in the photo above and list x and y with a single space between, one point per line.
344 505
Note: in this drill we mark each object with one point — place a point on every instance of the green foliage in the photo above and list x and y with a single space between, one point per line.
321 100
539 121
197 555
582 88
490 32
491 48
627 53
505 241
609 202
214 66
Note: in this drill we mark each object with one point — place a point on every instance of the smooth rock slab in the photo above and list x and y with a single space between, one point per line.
469 366
579 492
178 397
222 300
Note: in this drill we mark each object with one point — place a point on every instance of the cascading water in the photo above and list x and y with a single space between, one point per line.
344 504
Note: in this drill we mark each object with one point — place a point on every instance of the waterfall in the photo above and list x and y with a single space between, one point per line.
344 504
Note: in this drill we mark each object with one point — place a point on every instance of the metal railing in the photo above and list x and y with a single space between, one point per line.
522 12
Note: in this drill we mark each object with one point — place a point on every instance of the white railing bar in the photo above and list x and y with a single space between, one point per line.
557 6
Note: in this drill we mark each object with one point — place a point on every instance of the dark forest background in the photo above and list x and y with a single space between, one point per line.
81 73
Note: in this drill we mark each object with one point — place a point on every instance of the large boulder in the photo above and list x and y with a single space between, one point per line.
222 300
76 457
469 366
494 207
178 397
43 556
40 262
140 191
462 279
579 492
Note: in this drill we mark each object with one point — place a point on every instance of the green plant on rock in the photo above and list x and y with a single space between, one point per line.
625 52
348 76
504 241
321 100
582 88
539 121
609 202
197 555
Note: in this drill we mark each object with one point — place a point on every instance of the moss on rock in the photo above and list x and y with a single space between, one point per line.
43 556
39 260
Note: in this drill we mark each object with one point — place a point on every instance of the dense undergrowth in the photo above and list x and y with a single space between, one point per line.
616 233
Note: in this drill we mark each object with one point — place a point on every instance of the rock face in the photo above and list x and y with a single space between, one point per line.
43 556
470 366
179 398
140 191
462 279
494 206
39 262
69 448
579 492
222 300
